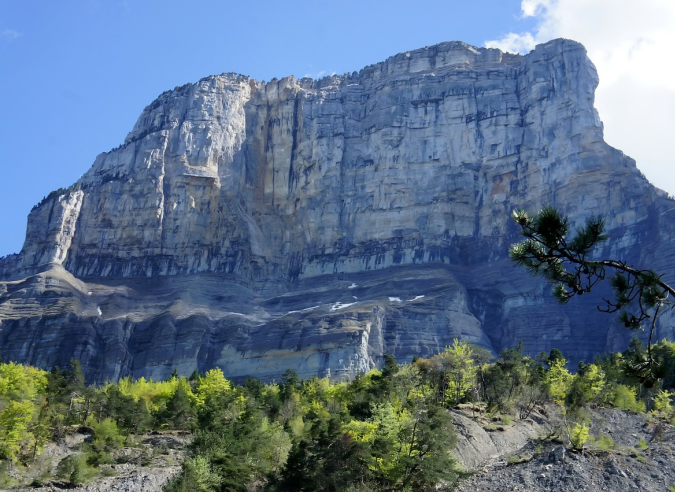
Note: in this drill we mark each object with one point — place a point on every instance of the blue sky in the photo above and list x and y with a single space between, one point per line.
75 75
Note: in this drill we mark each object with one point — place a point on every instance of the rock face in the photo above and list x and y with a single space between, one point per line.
316 225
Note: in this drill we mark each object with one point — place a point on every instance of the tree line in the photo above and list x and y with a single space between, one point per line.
388 429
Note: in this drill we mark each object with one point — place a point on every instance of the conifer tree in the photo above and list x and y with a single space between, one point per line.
569 263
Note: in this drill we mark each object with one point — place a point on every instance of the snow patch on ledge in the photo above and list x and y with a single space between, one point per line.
303 310
339 305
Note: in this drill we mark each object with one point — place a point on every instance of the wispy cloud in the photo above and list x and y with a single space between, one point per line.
11 34
630 44
315 75
319 74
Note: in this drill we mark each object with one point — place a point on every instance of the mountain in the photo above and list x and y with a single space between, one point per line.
319 224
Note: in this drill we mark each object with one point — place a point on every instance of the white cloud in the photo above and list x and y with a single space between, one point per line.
11 34
514 43
630 42
316 75
320 74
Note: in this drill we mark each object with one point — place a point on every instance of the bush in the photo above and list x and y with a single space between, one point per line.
624 398
74 469
107 436
662 402
196 476
586 386
579 436
604 442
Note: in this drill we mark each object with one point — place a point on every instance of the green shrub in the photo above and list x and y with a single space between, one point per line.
513 459
108 472
196 476
624 398
586 385
107 438
74 469
662 402
107 435
604 442
579 436
96 458
5 479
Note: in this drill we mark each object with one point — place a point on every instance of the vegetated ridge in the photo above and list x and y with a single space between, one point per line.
460 419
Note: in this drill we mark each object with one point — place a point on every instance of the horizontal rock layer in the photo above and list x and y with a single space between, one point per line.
230 225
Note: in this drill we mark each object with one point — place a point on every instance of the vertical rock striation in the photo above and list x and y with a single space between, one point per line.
319 224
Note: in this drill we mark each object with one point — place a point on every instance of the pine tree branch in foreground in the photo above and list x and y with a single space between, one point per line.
549 251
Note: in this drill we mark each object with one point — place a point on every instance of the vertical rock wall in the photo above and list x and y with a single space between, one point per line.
409 168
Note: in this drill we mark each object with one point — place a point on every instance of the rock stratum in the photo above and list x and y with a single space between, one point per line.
319 224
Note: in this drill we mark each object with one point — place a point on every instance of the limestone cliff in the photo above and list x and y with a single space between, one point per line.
316 225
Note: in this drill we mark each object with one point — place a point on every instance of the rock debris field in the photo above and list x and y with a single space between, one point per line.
642 458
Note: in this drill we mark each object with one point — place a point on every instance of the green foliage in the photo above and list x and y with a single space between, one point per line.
553 356
604 442
625 398
154 394
196 476
664 353
20 391
74 470
579 435
55 194
513 459
429 460
512 381
586 386
558 381
459 370
212 387
547 251
179 412
386 430
107 436
663 402
129 414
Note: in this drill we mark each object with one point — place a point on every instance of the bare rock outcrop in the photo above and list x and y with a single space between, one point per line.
318 224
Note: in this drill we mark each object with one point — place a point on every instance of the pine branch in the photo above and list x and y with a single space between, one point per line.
546 251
